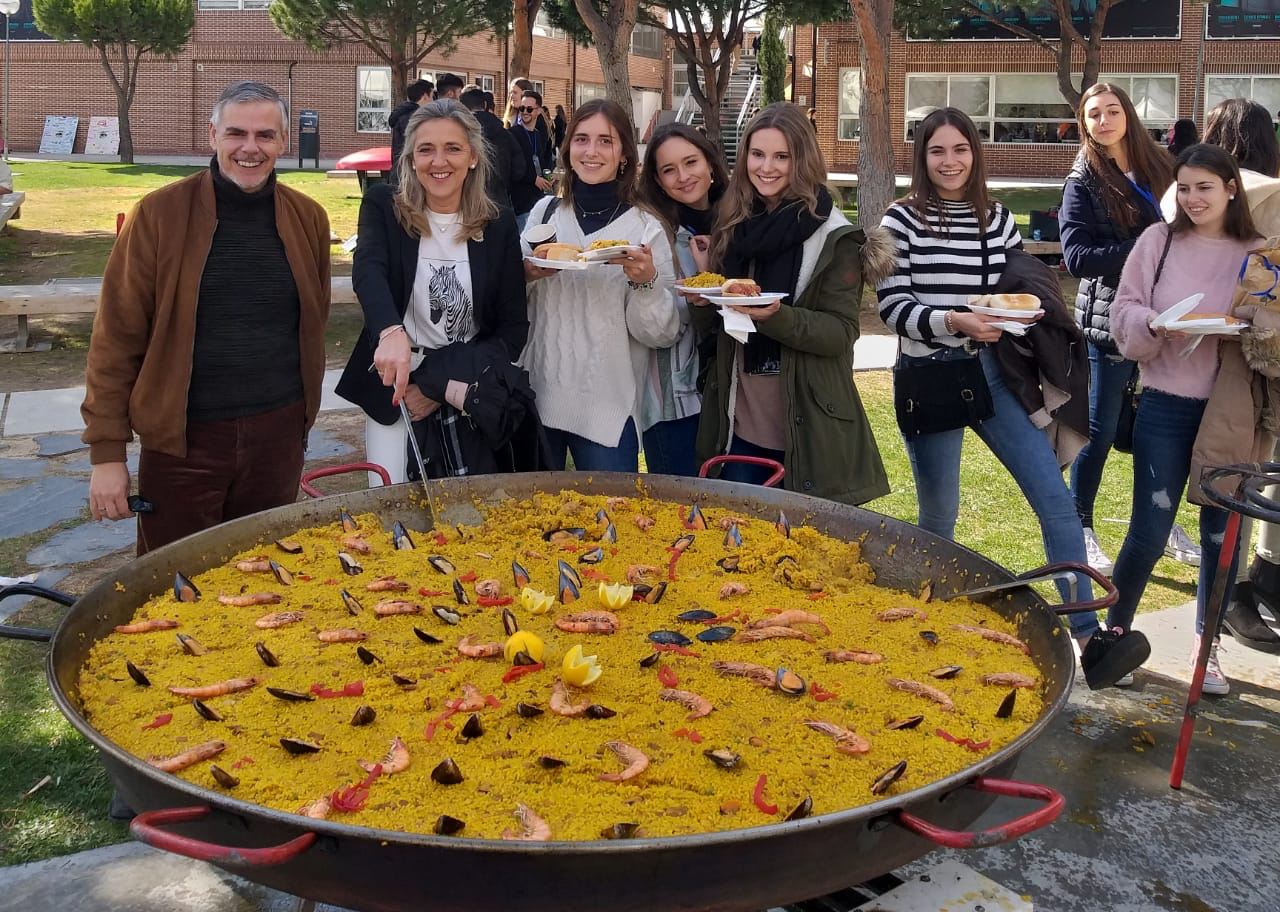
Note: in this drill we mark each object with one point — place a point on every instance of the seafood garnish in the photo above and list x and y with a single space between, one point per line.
277 619
355 542
528 710
765 677
472 699
447 615
635 762
532 827
929 637
205 711
426 637
387 584
908 722
695 614
287 546
728 564
190 645
235 685
473 650
722 757
295 746
995 636
188 757
901 612
733 537
348 524
550 763
621 831
861 656
341 635
459 593
267 656
317 809
147 626
695 519
520 575
589 622
442 564
184 590
562 704
136 673
643 523
447 826
222 777
1009 679
566 569
488 588
569 591
446 772
790 683
847 742
283 576
364 715
700 705
669 638
682 543
638 573
353 604
472 728
596 711
400 539
888 778
259 563
922 690
949 671
250 599
392 607
729 590
396 760
783 527
715 634
790 618
594 556
1005 709
350 566
291 695
771 632
610 534
802 810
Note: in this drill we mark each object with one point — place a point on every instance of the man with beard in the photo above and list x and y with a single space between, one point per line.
209 337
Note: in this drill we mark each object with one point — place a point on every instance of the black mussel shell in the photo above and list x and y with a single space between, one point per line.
205 710
190 645
446 772
287 546
523 658
650 660
472 728
929 637
364 715
283 576
426 637
509 622
550 763
446 615
366 656
566 569
782 525
602 517
136 673
594 556
184 590
728 564
267 656
1005 710
802 810
791 683
733 538
348 523
596 711
294 746
292 695
723 757
520 575
888 778
403 680
694 615
682 543
610 534
569 592
447 826
528 710
670 638
652 594
908 722
947 671
460 593
621 831
222 777
563 535
695 519
716 634
441 564
353 604
350 566
400 539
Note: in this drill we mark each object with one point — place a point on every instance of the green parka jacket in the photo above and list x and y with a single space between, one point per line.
830 450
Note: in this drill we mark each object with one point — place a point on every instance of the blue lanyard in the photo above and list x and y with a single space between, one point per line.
1145 193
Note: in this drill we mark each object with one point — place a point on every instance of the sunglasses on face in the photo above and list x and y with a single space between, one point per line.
526 110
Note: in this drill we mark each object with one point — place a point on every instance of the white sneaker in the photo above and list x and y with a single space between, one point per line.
1126 681
1096 557
1180 547
1215 682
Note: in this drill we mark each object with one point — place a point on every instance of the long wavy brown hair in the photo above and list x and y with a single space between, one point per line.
1244 129
628 192
1150 164
477 209
922 196
651 187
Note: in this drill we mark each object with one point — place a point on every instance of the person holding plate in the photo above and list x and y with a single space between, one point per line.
787 393
1200 251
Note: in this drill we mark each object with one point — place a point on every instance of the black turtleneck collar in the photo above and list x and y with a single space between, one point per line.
596 205
701 221
232 199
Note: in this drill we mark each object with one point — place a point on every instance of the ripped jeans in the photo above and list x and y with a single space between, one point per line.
1164 432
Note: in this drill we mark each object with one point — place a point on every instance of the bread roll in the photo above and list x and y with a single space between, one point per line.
1199 315
1013 302
740 288
557 251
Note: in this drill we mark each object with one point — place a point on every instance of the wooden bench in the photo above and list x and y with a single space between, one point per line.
81 297
1042 248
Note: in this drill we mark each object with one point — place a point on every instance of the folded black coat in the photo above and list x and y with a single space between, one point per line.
1047 370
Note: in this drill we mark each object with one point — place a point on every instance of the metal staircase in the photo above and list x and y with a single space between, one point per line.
742 95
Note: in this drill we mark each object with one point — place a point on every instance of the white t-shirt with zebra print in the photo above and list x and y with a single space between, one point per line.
442 311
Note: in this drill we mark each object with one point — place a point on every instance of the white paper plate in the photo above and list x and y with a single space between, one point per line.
1005 312
1206 327
1012 327
558 264
603 254
760 300
1181 309
691 289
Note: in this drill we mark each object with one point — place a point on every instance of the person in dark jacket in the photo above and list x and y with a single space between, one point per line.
508 158
418 93
1183 136
437 266
535 147
1111 195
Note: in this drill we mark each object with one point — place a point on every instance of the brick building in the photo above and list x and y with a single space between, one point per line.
348 86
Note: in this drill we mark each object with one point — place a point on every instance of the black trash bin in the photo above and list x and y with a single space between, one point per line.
309 137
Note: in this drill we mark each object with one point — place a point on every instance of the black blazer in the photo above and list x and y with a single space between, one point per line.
386 261
509 164
525 192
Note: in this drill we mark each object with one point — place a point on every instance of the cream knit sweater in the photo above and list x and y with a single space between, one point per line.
590 334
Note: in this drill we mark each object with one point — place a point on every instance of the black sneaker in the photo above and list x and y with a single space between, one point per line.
119 809
1111 654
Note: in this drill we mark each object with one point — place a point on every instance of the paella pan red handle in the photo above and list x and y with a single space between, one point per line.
771 482
311 491
146 828
1110 595
1005 832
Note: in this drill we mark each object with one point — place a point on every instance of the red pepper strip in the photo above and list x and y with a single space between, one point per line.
486 602
773 611
613 552
678 650
430 731
668 677
303 576
241 762
519 671
820 693
694 736
449 725
330 582
162 719
353 797
439 539
725 617
468 577
671 565
430 593
680 732
493 701
966 742
354 689
814 596
593 574
757 796
570 546
441 719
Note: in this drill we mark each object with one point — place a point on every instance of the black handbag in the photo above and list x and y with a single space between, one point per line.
1133 389
931 395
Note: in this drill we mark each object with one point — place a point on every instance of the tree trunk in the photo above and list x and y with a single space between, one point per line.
401 75
523 14
875 146
612 37
126 134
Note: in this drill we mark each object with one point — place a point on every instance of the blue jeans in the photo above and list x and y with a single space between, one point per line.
589 456
1163 434
1109 373
669 447
1025 451
745 472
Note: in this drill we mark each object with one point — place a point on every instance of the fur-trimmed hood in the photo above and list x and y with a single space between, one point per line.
878 256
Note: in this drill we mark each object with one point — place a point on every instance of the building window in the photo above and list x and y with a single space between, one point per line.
646 41
483 81
1265 90
588 91
373 99
539 87
850 102
233 4
543 28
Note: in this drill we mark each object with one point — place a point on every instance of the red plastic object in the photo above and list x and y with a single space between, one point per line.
376 159
146 828
310 490
771 482
119 222
1005 832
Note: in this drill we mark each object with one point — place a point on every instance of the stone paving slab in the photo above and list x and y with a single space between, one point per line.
42 411
84 543
20 469
59 444
1172 632
323 445
41 503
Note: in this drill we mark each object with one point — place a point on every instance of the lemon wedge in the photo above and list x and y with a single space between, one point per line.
617 595
523 641
535 602
579 670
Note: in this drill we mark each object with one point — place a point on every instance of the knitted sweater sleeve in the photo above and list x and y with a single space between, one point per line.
652 318
1132 309
901 311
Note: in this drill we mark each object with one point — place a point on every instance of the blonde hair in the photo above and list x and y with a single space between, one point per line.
808 171
477 210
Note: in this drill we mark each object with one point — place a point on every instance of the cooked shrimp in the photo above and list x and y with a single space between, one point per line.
277 619
147 626
728 522
860 656
341 635
396 760
701 706
1009 679
616 503
562 704
391 607
356 542
317 809
765 677
922 690
901 612
728 590
235 685
589 622
532 827
473 650
995 636
771 632
188 757
643 523
488 588
790 619
252 598
387 584
847 742
638 573
635 760
259 563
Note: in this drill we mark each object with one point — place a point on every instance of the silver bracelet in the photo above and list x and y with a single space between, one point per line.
391 331
643 286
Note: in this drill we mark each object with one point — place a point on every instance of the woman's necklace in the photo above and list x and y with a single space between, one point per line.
583 213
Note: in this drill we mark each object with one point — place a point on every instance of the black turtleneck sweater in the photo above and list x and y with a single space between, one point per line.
596 205
246 359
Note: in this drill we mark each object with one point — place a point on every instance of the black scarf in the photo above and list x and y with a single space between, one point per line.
596 205
700 221
769 247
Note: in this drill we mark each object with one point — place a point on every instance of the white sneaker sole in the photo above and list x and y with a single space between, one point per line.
1126 681
1218 689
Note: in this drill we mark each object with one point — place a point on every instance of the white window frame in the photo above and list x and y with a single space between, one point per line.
540 87
843 116
1252 93
230 5
597 90
543 28
648 32
363 110
483 80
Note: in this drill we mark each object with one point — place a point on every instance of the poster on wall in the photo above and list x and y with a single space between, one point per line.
59 134
103 137
22 25
1244 19
1131 19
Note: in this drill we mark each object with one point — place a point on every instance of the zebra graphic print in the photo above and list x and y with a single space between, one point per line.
449 301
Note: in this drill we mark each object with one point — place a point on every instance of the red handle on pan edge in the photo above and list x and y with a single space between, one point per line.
1110 596
146 828
311 491
771 482
1005 832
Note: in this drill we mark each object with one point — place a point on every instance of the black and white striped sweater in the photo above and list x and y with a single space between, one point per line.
938 265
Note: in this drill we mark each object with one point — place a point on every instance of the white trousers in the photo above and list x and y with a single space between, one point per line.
386 445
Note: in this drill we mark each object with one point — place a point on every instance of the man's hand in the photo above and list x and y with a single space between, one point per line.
109 491
542 184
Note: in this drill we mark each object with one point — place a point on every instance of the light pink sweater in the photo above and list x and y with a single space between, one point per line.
1195 264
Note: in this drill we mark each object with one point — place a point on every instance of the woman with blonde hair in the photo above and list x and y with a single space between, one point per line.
437 273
